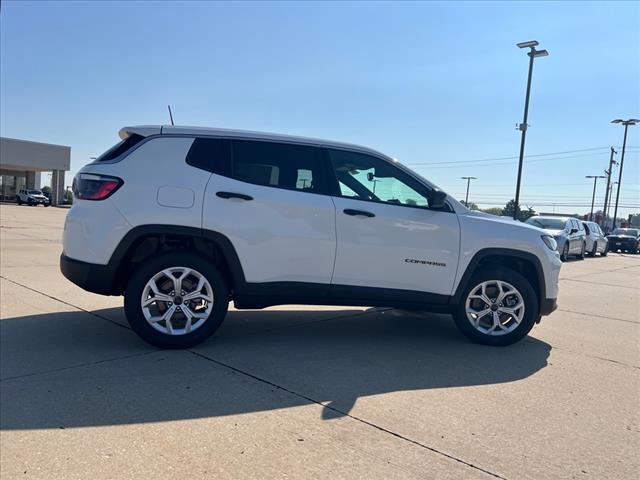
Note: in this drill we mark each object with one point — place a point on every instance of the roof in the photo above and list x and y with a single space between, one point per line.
148 130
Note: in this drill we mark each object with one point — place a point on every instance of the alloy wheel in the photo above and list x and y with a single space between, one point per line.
495 307
177 300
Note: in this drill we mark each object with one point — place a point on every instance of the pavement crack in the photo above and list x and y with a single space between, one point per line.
79 365
346 414
598 283
64 302
598 316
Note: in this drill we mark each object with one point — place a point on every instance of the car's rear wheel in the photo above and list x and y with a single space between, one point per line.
176 300
499 307
19 201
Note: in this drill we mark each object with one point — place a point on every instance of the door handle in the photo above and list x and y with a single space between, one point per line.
241 196
352 212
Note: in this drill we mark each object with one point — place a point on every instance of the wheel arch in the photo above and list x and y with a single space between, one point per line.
525 263
145 240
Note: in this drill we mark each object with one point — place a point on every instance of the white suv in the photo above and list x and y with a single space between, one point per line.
182 220
32 197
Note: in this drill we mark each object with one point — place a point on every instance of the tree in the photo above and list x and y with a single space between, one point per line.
46 189
497 211
523 214
470 206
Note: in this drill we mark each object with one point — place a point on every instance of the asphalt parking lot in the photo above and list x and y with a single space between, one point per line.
311 392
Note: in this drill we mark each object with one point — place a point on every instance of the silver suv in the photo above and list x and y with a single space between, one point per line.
568 232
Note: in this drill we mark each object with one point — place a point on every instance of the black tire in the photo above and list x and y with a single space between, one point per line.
19 201
564 256
151 267
594 250
531 310
605 251
583 251
45 204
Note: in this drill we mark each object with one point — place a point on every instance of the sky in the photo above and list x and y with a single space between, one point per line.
438 85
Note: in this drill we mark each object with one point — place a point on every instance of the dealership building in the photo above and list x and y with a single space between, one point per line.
22 162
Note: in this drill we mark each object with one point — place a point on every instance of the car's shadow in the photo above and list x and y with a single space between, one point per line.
70 369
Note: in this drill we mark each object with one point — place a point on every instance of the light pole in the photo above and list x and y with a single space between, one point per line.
533 53
466 198
626 123
593 197
613 184
612 162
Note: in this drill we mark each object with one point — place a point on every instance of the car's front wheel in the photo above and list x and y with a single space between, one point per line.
594 250
499 307
583 251
176 300
564 256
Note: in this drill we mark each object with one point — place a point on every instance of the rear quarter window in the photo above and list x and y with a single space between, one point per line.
120 148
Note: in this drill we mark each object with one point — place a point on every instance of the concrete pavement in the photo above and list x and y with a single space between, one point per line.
311 392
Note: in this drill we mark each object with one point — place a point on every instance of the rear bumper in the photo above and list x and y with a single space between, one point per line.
89 276
548 305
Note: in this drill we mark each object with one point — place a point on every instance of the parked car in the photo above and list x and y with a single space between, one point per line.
625 240
569 234
596 241
182 220
32 197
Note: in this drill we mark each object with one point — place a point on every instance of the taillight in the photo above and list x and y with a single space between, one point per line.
91 186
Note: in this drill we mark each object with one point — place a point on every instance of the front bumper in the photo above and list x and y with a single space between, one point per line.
548 305
89 276
622 245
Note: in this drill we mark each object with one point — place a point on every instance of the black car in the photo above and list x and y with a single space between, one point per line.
624 239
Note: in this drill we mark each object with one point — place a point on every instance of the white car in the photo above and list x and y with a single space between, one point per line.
32 197
182 220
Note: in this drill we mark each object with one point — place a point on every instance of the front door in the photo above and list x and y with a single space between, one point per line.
388 237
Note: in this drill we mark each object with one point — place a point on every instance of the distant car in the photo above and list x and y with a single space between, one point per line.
569 234
32 197
596 241
625 240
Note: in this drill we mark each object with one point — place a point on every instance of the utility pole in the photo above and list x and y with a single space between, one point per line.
612 162
626 123
466 198
533 53
593 197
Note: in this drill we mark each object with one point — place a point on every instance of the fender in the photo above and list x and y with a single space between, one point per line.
503 252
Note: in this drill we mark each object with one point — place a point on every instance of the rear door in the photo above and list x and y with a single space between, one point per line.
270 201
387 236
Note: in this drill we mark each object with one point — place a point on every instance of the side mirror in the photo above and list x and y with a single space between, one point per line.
438 199
574 230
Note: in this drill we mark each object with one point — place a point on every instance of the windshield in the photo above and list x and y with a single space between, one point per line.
625 231
547 223
35 192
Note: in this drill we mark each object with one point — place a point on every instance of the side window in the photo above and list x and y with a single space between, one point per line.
211 154
365 177
281 165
